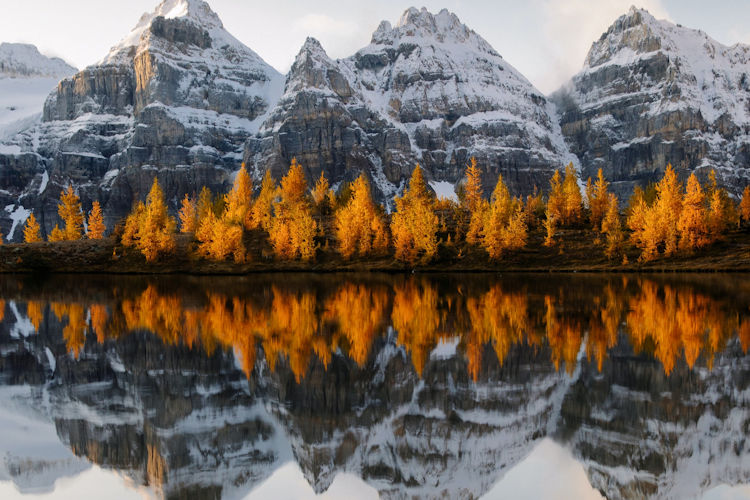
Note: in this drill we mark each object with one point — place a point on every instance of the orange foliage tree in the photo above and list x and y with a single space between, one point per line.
31 233
599 200
745 204
414 225
293 228
693 227
69 210
149 227
359 227
188 215
261 215
95 225
504 223
573 200
612 228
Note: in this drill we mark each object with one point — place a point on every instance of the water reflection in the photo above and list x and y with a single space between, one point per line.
421 385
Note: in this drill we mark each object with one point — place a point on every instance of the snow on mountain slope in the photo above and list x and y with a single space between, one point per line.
652 93
26 79
428 90
177 96
20 60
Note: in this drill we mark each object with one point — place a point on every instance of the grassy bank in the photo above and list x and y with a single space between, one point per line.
575 252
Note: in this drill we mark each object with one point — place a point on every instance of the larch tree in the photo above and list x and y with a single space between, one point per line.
188 215
668 206
745 204
550 227
222 236
239 200
32 232
612 228
261 215
472 197
473 202
95 223
693 226
69 210
573 200
321 194
599 200
556 198
504 225
57 234
414 225
204 205
293 229
360 228
149 227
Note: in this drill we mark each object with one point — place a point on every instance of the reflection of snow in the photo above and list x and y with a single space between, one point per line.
23 326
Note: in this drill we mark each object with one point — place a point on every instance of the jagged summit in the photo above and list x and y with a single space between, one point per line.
652 92
420 23
24 60
186 23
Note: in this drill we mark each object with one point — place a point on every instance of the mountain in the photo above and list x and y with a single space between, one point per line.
26 79
179 95
652 93
428 91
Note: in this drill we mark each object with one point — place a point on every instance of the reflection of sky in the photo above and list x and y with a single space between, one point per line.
549 472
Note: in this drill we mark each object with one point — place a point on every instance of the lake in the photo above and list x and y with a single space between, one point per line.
367 385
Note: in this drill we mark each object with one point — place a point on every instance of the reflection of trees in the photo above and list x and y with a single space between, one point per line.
297 323
667 321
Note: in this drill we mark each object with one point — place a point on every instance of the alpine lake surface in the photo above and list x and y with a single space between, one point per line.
375 385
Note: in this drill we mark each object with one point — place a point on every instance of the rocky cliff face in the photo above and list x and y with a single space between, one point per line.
177 98
428 91
652 93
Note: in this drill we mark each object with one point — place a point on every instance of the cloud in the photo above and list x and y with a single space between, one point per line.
570 28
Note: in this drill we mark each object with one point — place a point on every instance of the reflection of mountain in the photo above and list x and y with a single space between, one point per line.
426 412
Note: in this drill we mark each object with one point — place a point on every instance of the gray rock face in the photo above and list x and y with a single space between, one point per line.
428 91
652 93
177 98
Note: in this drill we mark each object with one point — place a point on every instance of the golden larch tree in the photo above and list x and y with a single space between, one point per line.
745 204
359 227
504 225
95 223
149 227
321 193
599 200
188 215
693 226
473 190
57 234
32 232
556 197
293 229
69 210
239 200
573 200
414 225
612 228
261 215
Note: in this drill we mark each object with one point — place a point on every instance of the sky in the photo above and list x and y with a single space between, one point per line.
546 40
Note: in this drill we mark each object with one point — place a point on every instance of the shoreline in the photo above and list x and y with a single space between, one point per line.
574 254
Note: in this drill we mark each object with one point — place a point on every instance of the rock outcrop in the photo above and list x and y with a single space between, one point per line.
652 93
428 91
176 98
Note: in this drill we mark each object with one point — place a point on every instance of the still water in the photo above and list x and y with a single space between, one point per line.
436 386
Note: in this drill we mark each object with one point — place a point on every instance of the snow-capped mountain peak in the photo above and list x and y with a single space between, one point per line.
443 27
21 60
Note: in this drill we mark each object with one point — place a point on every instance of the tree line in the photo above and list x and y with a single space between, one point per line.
660 220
